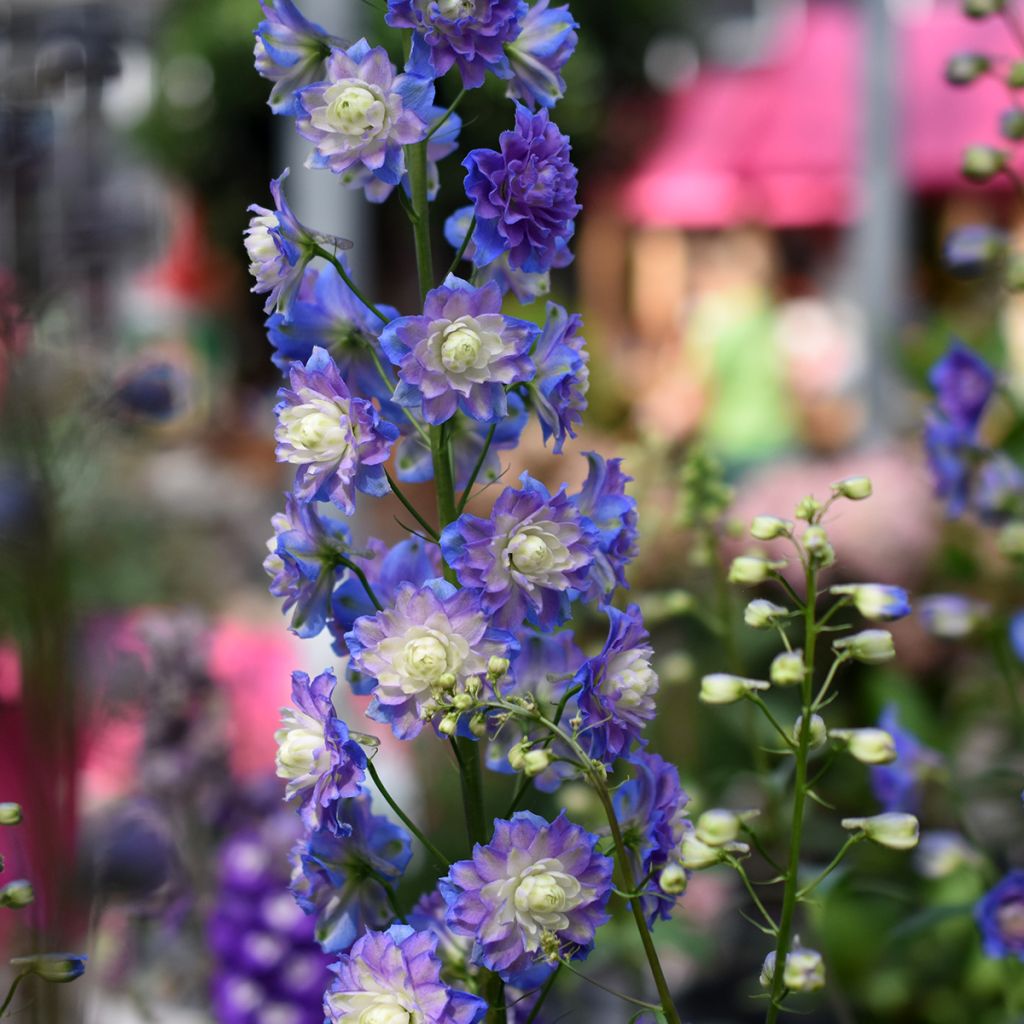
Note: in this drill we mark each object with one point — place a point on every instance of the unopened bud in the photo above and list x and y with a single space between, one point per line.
750 570
10 814
965 68
816 544
58 968
787 668
1011 124
1011 540
696 855
893 829
876 601
982 163
982 8
817 732
17 894
446 681
673 879
497 667
463 701
448 725
720 826
762 614
1015 74
517 756
869 746
722 688
804 970
808 508
478 726
535 762
856 488
770 527
871 646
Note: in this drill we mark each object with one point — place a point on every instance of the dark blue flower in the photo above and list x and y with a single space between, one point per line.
1000 917
341 878
963 384
897 786
558 393
524 195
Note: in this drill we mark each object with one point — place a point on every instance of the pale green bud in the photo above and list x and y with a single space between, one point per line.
463 701
720 826
817 735
474 686
696 855
982 8
869 746
770 527
517 756
446 681
787 668
856 488
448 725
58 968
871 646
497 667
478 726
17 894
982 163
804 970
750 570
1011 540
808 508
893 829
816 544
10 814
722 688
762 614
535 762
673 879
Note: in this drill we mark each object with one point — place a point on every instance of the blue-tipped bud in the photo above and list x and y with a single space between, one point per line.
10 814
972 250
59 968
965 68
876 601
17 894
982 163
871 646
952 616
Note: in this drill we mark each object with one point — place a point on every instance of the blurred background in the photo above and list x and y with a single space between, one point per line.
767 185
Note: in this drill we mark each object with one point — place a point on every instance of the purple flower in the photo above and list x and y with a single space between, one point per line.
340 878
999 486
971 250
546 42
279 248
327 313
897 786
530 558
558 393
304 562
617 699
650 812
432 638
525 287
1000 917
524 195
469 33
963 384
338 442
361 116
538 890
393 977
603 500
290 51
315 754
461 353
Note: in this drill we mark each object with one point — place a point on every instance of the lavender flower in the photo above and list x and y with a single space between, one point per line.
536 891
524 195
326 312
361 116
339 442
304 562
431 639
279 248
650 812
395 976
290 51
524 286
529 558
468 33
617 699
897 786
461 353
604 502
963 385
1000 917
558 393
315 754
546 42
341 878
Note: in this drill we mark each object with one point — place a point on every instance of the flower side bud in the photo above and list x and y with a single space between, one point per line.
722 688
855 488
673 879
496 667
982 163
816 544
1015 74
58 968
696 855
770 527
965 68
807 508
750 570
762 614
787 668
17 894
478 726
10 814
804 970
870 646
982 8
895 830
448 724
876 601
535 762
720 826
517 757
817 735
869 746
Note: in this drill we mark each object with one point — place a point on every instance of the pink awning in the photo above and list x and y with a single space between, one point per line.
779 144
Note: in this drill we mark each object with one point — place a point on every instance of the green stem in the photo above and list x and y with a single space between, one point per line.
442 861
347 278
1006 670
439 123
465 245
444 484
472 789
752 892
411 508
755 699
784 936
494 993
843 850
416 163
476 469
612 992
14 988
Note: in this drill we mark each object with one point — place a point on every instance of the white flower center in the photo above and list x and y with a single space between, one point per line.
539 894
385 1011
318 430
538 897
425 658
259 242
631 675
530 553
353 110
460 348
297 745
456 8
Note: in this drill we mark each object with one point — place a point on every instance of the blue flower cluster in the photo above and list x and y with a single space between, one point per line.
465 627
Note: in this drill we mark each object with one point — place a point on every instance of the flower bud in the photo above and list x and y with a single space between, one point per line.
58 968
871 646
720 827
982 163
478 726
463 701
817 545
787 668
722 688
750 570
535 762
497 667
448 725
695 854
875 601
893 829
804 970
17 894
869 746
673 879
817 734
1015 74
445 681
856 488
808 508
10 814
965 68
473 686
1011 540
762 614
982 8
770 527
1011 124
517 756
